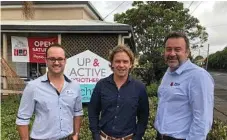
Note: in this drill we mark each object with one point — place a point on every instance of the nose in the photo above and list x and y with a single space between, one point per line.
172 53
121 64
56 62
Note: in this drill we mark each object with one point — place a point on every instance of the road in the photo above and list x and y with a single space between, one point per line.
220 93
220 84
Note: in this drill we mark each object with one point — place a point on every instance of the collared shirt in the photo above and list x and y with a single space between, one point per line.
53 111
119 108
186 101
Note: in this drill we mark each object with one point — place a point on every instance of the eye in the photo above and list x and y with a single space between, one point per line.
117 61
177 49
125 61
52 59
60 59
168 49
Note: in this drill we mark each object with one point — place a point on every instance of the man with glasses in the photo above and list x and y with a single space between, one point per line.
54 99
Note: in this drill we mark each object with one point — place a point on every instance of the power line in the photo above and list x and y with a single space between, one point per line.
196 7
114 10
190 4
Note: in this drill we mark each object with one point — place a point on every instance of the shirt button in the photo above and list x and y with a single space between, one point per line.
119 96
115 117
117 106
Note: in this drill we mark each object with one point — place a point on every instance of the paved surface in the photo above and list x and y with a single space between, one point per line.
220 100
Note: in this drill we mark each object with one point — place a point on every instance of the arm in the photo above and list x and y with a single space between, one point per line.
201 99
23 131
76 127
94 109
25 112
142 115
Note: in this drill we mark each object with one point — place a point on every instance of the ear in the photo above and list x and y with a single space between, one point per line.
188 52
130 65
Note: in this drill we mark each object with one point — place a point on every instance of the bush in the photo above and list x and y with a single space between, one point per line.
219 131
152 90
9 109
10 106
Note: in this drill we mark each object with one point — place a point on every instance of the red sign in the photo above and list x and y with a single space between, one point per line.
37 48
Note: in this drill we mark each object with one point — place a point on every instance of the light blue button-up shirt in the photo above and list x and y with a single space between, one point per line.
186 101
53 113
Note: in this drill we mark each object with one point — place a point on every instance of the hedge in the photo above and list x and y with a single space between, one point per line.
9 107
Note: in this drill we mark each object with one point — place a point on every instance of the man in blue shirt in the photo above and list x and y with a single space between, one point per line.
186 95
55 100
121 100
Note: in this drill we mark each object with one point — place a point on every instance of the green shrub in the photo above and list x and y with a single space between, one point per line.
10 106
9 109
219 131
152 90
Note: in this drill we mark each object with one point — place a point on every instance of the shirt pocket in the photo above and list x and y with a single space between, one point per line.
176 94
45 103
108 99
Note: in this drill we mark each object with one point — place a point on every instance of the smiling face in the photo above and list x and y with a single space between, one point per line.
56 60
121 64
175 52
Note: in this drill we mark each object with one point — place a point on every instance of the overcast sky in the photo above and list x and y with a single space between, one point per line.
211 14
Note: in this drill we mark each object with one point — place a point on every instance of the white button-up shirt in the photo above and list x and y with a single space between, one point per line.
53 112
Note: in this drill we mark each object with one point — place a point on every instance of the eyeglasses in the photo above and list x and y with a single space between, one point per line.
53 60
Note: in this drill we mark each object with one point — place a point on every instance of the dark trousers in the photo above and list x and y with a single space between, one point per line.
164 137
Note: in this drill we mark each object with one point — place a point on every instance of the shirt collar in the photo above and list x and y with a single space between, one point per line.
182 68
111 80
45 78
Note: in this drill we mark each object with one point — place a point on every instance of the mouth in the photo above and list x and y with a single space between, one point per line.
121 71
56 67
172 60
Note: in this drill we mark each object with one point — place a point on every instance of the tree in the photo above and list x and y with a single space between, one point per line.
199 57
218 60
151 22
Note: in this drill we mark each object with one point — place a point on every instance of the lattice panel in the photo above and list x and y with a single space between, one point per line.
100 44
13 81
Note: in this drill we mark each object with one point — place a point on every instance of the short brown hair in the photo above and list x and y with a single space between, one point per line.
178 35
121 48
54 45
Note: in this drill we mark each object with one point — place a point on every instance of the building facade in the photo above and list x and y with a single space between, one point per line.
75 24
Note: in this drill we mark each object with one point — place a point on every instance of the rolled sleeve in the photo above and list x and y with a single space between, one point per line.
78 109
27 105
202 103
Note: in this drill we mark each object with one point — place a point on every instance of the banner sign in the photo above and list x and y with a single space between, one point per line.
30 49
37 48
87 68
20 49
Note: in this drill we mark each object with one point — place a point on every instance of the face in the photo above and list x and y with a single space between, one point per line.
175 52
121 64
56 60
